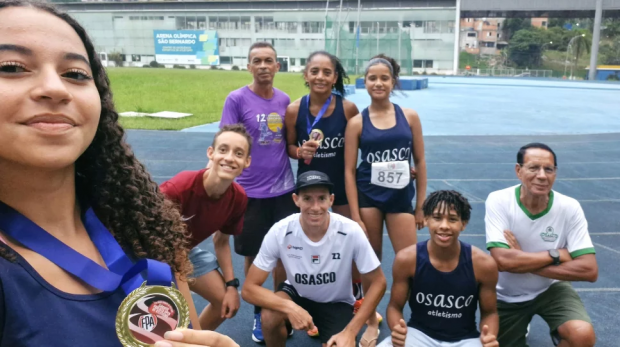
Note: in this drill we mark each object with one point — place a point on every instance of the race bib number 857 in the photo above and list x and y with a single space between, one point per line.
393 174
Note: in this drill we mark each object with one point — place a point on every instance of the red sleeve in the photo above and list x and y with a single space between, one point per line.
234 225
170 191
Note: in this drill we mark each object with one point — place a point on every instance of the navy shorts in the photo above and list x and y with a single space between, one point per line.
365 201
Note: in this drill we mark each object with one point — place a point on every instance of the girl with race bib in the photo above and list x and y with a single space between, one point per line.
389 137
73 198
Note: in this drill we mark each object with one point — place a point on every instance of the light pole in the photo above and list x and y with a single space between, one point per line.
567 48
378 38
400 29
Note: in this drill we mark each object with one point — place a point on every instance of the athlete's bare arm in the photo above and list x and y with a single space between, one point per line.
221 245
290 119
419 160
517 261
193 315
351 147
402 270
486 273
350 109
582 268
372 298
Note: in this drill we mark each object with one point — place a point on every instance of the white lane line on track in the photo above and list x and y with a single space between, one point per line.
582 290
607 248
516 179
483 235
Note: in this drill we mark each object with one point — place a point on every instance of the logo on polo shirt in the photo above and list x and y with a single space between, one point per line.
316 259
549 235
313 177
295 247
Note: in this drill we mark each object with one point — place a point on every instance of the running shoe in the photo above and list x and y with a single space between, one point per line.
257 331
357 306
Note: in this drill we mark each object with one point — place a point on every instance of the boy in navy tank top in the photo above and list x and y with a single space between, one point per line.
445 280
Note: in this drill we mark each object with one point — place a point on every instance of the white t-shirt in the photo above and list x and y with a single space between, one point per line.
561 225
319 271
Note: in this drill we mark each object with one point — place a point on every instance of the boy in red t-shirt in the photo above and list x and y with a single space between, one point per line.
211 203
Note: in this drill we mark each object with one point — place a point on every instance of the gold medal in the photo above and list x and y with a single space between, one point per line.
148 313
316 135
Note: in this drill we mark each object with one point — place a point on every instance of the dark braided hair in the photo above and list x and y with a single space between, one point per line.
117 186
445 200
394 69
339 69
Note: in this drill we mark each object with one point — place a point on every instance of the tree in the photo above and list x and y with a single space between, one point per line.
611 28
512 25
525 47
117 58
580 45
609 54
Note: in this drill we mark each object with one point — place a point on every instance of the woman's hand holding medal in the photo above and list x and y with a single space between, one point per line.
308 149
195 338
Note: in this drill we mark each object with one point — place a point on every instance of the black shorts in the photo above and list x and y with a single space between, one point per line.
364 202
330 318
260 216
340 196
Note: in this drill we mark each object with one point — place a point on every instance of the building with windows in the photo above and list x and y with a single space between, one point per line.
481 35
422 32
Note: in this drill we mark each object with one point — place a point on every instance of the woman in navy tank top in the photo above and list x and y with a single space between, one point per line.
315 128
389 137
315 124
62 149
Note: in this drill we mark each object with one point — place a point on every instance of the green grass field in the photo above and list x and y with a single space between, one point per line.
200 92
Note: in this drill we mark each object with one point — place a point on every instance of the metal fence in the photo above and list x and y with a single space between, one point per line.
506 72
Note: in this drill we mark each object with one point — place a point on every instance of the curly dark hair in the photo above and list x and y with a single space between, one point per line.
447 199
116 185
339 69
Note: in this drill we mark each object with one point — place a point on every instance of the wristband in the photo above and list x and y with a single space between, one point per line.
298 152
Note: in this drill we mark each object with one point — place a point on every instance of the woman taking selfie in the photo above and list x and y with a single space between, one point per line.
72 195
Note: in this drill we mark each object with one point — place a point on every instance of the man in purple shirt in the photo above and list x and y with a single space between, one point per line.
269 181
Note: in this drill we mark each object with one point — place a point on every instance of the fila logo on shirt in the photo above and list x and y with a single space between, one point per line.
316 259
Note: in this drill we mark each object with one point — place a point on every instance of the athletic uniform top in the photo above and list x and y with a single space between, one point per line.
319 271
329 158
561 225
202 214
270 174
33 313
443 304
385 145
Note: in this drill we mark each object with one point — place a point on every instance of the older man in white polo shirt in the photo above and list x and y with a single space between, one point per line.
540 241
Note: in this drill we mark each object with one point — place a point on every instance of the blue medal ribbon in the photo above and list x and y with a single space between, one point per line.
121 270
318 116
